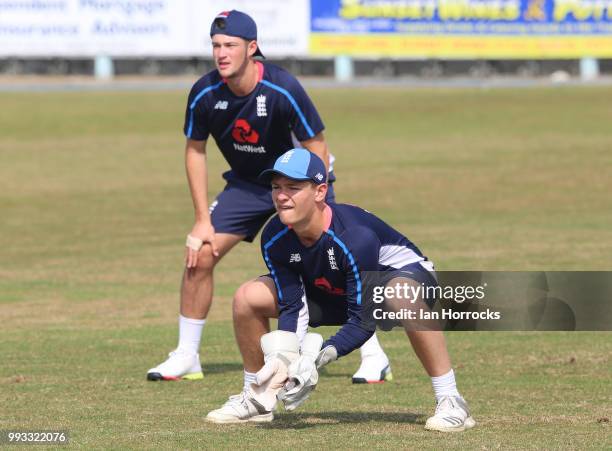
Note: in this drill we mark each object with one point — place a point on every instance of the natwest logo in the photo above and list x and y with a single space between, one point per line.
244 133
325 285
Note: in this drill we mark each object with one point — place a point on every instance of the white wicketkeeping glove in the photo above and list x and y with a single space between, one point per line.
303 374
280 348
327 355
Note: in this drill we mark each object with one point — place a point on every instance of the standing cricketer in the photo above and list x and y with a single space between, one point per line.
255 111
335 243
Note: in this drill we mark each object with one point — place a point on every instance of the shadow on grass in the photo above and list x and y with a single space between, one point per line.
324 373
221 367
224 367
309 420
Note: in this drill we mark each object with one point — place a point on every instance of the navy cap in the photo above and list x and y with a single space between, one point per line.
297 164
235 23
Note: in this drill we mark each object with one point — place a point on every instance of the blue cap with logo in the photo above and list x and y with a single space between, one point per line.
297 164
235 23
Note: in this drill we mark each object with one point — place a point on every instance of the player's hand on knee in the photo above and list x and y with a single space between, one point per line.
302 374
280 349
202 233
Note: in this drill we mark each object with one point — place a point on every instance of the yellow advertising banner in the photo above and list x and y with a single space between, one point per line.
476 47
462 28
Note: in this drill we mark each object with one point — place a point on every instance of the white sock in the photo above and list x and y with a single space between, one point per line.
190 334
372 348
248 379
445 385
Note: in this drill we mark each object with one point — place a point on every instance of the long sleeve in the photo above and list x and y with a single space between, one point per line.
289 286
360 251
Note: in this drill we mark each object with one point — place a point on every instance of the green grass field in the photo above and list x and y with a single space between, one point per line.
94 208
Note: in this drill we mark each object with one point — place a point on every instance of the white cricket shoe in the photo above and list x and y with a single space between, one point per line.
179 365
239 409
373 370
452 415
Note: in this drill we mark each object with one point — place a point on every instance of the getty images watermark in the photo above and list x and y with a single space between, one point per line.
488 300
408 292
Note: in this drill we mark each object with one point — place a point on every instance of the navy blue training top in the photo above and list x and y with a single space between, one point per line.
254 130
354 241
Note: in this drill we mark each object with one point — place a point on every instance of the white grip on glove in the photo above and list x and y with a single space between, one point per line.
311 346
303 374
280 348
327 355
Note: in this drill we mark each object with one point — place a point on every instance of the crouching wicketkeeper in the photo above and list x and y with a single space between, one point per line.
317 255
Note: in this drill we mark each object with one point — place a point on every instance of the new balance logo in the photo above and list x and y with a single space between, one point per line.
221 105
261 106
332 258
295 258
319 176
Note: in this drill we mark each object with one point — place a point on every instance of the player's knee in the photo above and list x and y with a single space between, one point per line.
242 304
254 298
206 260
